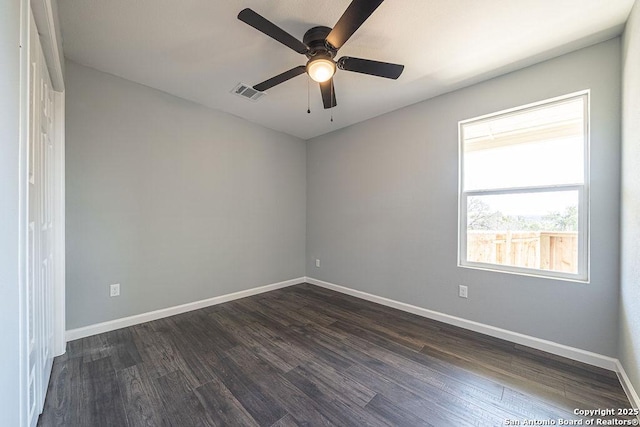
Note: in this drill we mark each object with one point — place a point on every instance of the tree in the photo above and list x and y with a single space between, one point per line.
480 216
566 221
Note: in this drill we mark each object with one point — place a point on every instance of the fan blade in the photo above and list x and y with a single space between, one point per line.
280 78
367 66
352 18
250 17
328 94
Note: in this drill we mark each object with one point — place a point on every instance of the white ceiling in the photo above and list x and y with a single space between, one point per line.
199 50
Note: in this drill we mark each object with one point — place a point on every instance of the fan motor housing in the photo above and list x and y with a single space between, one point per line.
315 39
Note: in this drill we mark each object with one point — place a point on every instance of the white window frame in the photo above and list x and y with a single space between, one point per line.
583 198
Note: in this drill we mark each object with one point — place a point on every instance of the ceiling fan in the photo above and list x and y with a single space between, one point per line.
320 45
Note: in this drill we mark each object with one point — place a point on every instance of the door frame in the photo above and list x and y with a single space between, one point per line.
45 15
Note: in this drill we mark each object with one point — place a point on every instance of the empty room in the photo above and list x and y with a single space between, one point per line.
310 213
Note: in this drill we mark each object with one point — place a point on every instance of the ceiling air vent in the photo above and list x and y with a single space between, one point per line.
247 92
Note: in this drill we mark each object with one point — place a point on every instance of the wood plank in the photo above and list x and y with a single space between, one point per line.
301 347
439 390
335 383
142 403
286 421
222 406
64 396
103 404
497 373
261 345
261 407
122 348
336 409
273 384
393 414
405 399
438 370
181 405
160 355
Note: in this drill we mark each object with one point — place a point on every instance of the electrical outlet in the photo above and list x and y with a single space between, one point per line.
463 291
114 290
318 263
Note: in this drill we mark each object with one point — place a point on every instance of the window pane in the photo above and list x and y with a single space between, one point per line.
534 147
533 230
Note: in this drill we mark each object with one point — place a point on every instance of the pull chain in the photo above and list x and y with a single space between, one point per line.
308 95
331 100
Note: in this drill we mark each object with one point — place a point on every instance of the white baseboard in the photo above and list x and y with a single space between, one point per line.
98 328
588 357
627 386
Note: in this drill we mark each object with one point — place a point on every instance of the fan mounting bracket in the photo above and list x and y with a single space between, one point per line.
315 39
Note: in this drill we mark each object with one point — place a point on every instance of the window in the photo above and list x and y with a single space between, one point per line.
524 189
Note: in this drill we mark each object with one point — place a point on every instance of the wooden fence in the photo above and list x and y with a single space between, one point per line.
546 250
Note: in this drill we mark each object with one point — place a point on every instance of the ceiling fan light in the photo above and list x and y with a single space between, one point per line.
321 69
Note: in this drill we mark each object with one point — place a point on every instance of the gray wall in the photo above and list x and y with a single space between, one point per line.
382 207
9 212
629 349
174 201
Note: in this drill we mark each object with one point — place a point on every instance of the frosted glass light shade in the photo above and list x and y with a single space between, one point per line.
321 69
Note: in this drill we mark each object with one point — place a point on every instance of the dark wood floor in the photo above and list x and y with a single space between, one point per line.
305 355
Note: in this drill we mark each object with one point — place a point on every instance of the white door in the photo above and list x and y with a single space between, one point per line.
40 243
46 223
